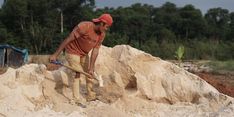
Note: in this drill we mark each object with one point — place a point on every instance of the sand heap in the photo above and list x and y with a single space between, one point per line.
135 84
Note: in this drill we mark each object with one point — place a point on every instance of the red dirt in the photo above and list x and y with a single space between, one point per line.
222 82
2 70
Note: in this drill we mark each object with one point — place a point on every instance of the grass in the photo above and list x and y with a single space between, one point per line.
222 66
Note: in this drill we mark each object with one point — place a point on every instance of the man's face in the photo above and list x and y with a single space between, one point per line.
103 27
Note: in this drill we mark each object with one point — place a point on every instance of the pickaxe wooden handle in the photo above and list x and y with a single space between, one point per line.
90 77
72 68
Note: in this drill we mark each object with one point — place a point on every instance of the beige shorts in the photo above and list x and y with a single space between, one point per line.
78 62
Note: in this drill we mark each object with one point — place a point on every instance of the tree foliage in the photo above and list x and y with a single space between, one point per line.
41 25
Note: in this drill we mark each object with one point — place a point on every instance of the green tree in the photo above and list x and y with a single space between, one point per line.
132 22
36 23
74 11
14 13
191 25
13 17
217 19
230 35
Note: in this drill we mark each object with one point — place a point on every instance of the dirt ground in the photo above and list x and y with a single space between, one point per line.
2 70
222 82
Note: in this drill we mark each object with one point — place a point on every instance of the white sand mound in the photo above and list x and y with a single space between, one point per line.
135 84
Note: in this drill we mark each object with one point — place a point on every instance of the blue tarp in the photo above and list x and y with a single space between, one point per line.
22 53
2 57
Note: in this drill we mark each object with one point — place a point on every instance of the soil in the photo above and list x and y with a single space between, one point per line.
2 70
222 82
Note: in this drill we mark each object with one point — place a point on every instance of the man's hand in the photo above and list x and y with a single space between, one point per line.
91 72
52 58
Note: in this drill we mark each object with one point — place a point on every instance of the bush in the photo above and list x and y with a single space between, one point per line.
222 65
113 39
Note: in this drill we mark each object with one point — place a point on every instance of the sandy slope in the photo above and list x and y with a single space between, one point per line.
135 84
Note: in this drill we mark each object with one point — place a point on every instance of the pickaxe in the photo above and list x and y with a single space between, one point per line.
89 77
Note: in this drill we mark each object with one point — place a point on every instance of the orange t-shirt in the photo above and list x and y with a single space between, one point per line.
86 39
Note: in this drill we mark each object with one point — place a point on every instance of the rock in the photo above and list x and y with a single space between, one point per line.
113 88
152 77
135 84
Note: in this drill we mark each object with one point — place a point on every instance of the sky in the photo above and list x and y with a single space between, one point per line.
203 5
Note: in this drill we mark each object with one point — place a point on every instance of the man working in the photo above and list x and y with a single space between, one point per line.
86 36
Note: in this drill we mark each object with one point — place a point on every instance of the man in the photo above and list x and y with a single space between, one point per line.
86 36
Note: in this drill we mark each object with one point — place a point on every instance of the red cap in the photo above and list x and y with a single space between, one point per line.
106 18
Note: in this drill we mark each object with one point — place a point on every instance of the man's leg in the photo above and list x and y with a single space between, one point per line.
74 61
76 87
91 95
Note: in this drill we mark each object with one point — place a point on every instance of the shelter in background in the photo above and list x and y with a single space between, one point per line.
11 56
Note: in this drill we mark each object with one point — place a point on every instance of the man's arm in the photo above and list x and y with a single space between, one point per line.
94 55
70 38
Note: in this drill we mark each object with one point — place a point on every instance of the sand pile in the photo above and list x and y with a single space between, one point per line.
135 84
